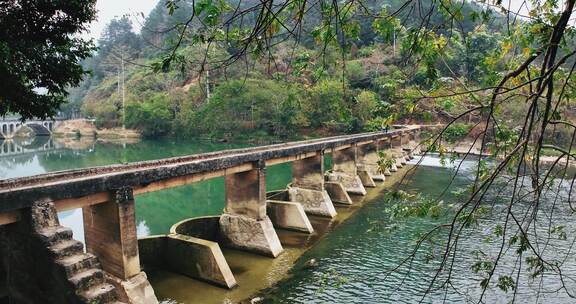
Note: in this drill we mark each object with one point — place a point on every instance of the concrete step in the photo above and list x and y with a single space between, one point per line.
87 279
101 294
52 235
76 263
66 248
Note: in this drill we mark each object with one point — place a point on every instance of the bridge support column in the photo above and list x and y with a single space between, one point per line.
406 138
307 186
345 170
368 163
396 141
244 224
110 233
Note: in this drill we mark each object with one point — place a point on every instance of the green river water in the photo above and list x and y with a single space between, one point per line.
353 259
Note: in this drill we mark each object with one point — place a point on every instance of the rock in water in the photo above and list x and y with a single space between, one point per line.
311 263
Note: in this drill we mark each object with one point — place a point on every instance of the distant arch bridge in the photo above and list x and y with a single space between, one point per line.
10 126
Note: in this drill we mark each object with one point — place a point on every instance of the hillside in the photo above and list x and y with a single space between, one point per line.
294 89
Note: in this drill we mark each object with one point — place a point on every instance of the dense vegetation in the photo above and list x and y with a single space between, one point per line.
297 90
40 52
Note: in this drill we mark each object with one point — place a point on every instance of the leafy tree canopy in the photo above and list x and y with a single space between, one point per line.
40 51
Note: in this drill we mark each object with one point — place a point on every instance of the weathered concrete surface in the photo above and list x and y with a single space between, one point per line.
345 170
337 193
193 257
368 161
246 192
366 178
315 202
387 172
399 162
202 227
409 153
249 234
20 193
200 259
345 160
374 171
396 141
308 173
211 228
288 215
385 143
135 290
351 183
110 234
43 264
245 225
403 160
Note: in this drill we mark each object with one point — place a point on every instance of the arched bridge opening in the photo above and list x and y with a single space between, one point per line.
39 129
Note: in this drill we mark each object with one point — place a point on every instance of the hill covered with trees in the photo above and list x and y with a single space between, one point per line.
370 81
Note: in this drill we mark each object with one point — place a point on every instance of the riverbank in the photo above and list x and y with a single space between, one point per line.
78 128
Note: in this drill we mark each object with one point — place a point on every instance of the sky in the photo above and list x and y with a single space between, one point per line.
108 9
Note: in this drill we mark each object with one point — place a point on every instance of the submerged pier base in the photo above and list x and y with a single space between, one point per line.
288 215
337 193
308 188
244 224
345 170
249 234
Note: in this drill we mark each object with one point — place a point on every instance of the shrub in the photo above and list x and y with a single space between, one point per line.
254 104
153 117
456 132
366 106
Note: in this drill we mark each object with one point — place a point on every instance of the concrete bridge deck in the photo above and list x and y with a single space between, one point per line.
156 175
111 269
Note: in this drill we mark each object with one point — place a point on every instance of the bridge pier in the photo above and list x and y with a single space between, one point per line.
395 141
308 186
244 224
345 171
110 234
288 215
368 162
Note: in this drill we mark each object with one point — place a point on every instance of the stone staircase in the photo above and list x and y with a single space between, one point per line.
82 270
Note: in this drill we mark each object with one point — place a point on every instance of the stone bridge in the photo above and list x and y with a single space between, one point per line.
42 263
9 127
